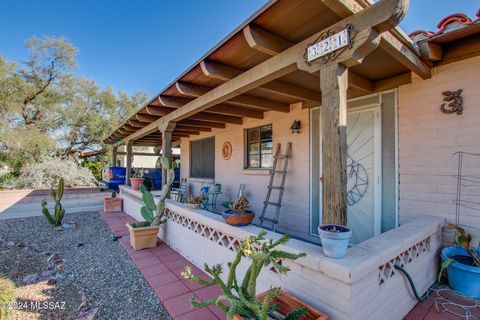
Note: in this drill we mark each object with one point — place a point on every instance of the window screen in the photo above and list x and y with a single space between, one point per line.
202 158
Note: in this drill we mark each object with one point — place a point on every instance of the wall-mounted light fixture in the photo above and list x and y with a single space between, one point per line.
296 126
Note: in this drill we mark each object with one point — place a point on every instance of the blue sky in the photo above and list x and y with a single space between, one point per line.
142 45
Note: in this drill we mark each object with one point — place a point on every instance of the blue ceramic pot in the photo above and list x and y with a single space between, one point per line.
335 240
462 277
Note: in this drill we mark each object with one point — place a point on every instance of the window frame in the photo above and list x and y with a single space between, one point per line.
190 158
260 141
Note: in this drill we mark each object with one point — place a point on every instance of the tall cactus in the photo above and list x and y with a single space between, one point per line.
154 213
240 298
59 211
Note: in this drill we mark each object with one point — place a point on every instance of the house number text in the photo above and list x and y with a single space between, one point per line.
330 44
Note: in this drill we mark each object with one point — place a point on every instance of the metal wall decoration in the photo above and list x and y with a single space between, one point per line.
454 100
325 35
227 150
357 181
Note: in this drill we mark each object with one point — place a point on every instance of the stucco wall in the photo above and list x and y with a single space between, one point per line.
428 138
294 214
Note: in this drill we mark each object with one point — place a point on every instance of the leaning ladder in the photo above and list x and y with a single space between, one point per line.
280 188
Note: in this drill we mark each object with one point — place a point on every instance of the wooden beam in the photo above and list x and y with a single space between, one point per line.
136 124
264 41
203 116
430 51
358 82
225 73
128 163
206 124
393 82
334 143
195 128
401 52
146 117
381 17
194 90
217 109
405 55
128 128
139 153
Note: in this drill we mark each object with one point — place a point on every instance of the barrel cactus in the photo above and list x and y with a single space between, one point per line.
153 214
240 297
59 211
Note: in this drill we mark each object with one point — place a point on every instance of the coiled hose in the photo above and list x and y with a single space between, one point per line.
414 289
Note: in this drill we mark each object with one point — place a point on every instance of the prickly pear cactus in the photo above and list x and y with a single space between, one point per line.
59 211
154 213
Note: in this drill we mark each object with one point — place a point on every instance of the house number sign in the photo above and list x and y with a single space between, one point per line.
332 43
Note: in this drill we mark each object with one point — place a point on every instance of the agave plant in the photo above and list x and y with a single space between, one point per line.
240 297
59 211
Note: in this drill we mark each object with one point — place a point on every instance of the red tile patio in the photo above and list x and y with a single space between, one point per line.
161 267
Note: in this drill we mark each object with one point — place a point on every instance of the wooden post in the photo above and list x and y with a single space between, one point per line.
334 84
167 131
128 173
114 164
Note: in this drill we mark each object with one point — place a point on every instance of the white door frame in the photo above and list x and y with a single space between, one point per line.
377 165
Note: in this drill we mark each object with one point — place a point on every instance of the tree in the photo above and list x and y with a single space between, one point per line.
46 110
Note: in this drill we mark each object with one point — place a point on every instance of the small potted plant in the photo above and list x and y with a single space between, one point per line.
144 234
194 202
462 263
239 299
137 178
335 240
239 213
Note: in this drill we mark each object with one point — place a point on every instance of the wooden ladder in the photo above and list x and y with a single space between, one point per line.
280 188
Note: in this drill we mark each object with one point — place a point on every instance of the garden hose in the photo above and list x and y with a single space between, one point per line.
414 289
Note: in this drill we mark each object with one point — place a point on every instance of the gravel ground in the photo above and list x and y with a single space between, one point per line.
89 272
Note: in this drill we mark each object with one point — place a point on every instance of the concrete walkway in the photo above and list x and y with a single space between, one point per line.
26 203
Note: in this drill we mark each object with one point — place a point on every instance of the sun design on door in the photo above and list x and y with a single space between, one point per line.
361 175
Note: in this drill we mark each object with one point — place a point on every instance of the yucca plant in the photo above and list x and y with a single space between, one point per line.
153 214
59 211
240 297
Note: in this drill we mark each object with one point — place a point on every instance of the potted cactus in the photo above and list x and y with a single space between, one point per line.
144 234
462 262
137 178
239 213
239 299
59 211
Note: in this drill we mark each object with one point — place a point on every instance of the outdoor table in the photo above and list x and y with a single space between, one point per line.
210 200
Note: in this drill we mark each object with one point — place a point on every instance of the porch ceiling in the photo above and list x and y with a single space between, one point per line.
275 27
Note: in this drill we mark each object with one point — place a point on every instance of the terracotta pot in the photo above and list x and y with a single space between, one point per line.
289 303
136 183
143 237
236 219
113 205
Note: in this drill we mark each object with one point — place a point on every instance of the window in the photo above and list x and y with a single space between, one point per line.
259 147
202 158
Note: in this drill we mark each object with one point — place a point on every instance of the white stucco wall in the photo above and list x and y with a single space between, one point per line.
294 214
428 138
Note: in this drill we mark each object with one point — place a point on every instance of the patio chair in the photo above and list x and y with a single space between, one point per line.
241 192
178 194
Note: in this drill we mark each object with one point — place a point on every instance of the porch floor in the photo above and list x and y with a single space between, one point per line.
161 268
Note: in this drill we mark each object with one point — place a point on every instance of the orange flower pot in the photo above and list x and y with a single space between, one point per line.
236 219
289 303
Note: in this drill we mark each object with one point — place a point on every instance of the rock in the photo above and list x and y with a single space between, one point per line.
32 278
90 314
11 243
51 281
21 245
58 228
48 273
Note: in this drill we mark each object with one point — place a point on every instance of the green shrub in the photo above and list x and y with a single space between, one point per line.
7 296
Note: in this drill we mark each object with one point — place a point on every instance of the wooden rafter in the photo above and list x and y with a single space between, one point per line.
202 116
175 102
194 90
394 47
225 73
146 117
207 124
265 41
358 82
